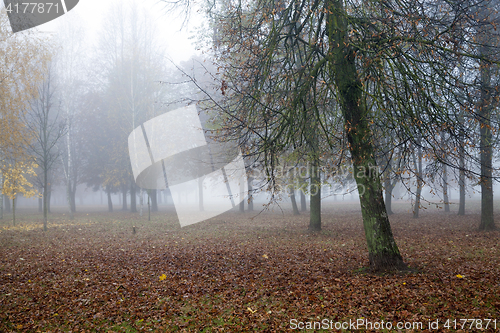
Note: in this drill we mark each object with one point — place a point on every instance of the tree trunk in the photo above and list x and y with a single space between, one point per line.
49 196
110 202
250 194
419 173
383 251
291 191
445 190
14 211
388 192
486 150
446 198
315 198
461 181
40 205
46 198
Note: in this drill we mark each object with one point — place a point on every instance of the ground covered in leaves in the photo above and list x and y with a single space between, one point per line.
237 274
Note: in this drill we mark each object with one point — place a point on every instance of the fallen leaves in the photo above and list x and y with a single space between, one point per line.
240 276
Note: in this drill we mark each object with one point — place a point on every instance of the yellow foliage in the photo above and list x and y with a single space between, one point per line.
23 61
15 181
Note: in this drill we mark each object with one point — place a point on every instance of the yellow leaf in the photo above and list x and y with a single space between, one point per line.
265 256
163 277
252 311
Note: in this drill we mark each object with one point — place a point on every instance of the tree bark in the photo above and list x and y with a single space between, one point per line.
250 194
315 197
446 198
383 251
419 173
486 138
110 202
46 198
487 221
461 181
388 192
291 191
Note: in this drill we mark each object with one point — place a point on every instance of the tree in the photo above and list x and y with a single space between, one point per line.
43 121
22 62
356 56
131 65
15 182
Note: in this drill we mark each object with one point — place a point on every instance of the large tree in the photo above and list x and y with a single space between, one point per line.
348 59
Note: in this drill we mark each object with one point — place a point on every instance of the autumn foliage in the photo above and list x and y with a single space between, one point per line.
235 274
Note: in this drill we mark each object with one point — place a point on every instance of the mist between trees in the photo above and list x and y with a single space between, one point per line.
373 93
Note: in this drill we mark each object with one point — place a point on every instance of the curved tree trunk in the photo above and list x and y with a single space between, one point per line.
383 251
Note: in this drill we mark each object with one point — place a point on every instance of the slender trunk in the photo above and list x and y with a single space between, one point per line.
383 251
445 190
49 196
40 205
291 191
45 198
315 198
446 198
461 181
250 194
14 211
154 200
388 192
419 174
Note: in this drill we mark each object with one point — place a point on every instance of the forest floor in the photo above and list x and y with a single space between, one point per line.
237 274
